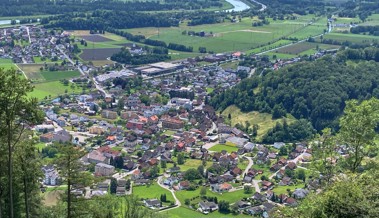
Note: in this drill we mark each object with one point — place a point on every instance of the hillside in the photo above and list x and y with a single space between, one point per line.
316 91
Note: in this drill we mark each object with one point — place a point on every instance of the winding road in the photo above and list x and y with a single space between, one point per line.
177 202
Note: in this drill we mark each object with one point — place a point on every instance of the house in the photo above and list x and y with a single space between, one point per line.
236 171
103 169
109 114
255 210
290 202
130 140
134 124
97 130
172 123
47 137
61 121
291 166
62 136
51 176
242 204
207 206
95 157
45 128
278 145
120 190
300 193
286 181
266 185
152 203
259 197
268 206
183 185
224 187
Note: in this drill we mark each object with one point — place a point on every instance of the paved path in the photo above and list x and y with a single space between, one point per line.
255 182
209 145
122 175
177 202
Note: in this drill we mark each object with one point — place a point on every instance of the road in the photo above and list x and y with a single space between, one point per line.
264 7
294 160
255 182
177 202
122 175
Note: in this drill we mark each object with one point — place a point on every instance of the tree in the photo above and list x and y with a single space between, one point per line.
180 158
223 206
119 162
69 168
247 189
187 201
113 187
300 174
201 170
283 151
325 155
192 174
17 111
163 164
358 130
203 191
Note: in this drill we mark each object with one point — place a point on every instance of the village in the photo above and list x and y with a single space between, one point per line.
151 126
162 134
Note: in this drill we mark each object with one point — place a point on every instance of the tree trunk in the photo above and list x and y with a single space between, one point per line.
26 198
10 176
68 198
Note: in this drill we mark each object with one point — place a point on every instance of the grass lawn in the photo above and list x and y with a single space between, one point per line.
263 120
40 145
283 189
227 196
58 75
168 132
190 163
55 88
220 147
354 38
264 168
210 90
152 191
7 64
183 212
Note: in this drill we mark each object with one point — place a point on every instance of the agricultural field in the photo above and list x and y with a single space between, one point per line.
34 73
353 38
52 89
233 36
98 54
304 48
263 120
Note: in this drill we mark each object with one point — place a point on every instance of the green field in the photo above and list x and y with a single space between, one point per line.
58 75
354 38
7 64
152 191
188 164
183 212
221 147
53 89
232 36
264 120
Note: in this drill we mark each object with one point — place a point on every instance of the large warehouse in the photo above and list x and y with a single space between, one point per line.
158 68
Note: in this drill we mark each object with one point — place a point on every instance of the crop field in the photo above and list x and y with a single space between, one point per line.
372 20
232 36
95 38
354 38
297 48
98 53
58 75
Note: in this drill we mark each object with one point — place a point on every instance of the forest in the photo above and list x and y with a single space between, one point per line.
315 91
37 7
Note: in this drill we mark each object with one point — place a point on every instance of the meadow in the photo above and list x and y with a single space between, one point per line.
53 89
151 191
232 36
220 147
263 120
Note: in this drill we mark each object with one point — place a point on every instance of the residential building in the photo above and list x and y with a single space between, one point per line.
103 169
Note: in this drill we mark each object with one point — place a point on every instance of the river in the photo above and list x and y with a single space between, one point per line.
238 6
